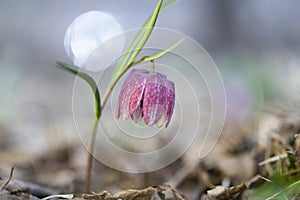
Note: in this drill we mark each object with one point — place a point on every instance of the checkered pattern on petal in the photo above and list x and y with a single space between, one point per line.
126 91
154 102
148 95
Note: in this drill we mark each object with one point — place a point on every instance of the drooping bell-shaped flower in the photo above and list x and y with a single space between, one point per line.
147 95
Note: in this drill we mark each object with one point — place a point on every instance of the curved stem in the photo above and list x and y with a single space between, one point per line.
91 145
96 121
99 106
118 74
111 86
152 65
142 36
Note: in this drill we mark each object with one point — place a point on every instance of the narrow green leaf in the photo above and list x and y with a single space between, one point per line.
154 57
148 31
160 54
88 79
138 38
167 4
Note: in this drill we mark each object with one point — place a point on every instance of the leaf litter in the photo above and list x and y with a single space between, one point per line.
258 160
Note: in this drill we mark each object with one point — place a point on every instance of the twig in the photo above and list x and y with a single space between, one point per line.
272 159
255 180
64 196
9 178
16 186
220 192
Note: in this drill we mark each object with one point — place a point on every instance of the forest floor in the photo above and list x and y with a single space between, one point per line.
257 160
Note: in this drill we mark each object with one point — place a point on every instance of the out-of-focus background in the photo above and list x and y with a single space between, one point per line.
256 39
255 44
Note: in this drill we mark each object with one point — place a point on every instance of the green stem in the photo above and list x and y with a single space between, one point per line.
91 144
95 90
139 35
111 86
99 105
118 75
142 37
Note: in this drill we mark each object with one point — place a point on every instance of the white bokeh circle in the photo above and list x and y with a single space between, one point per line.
86 33
198 117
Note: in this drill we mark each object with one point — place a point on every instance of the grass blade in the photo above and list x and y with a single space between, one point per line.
138 38
88 79
148 30
160 54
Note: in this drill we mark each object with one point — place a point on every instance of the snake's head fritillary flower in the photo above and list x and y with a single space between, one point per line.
147 95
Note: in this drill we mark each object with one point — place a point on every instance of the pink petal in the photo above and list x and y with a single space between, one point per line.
136 96
137 114
170 100
149 95
154 101
125 93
